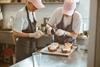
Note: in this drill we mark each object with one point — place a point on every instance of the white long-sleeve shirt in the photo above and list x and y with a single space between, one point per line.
57 16
21 21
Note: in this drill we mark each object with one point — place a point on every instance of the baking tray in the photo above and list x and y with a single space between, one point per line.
58 52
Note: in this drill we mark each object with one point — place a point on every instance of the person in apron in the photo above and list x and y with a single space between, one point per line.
65 23
64 38
25 29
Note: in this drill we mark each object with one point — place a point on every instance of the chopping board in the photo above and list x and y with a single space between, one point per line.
58 52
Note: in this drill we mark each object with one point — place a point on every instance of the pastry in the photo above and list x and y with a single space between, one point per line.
68 45
53 47
67 48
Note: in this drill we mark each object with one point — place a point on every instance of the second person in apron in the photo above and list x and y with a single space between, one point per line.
65 23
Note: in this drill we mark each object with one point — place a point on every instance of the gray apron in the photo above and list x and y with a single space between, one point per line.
64 38
26 46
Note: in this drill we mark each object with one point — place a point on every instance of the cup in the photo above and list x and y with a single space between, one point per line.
36 59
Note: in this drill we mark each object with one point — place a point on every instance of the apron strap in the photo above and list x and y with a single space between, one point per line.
32 30
31 27
34 18
72 22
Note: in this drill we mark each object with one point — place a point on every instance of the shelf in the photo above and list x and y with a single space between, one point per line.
8 3
53 2
5 1
24 3
11 3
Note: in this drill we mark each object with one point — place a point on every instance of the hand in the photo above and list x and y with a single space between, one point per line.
60 32
40 32
37 34
72 34
49 31
67 33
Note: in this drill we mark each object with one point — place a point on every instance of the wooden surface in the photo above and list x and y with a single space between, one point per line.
2 64
7 40
7 37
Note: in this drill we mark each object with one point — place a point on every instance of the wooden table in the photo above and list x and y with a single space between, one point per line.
77 59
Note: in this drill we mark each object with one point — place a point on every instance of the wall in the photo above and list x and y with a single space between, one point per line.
97 52
92 33
83 8
10 10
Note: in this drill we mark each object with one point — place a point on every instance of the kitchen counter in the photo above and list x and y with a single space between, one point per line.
24 63
77 59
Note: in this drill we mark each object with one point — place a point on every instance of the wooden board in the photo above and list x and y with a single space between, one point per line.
58 52
5 1
7 37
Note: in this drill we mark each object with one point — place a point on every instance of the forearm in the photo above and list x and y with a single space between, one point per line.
72 34
21 34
